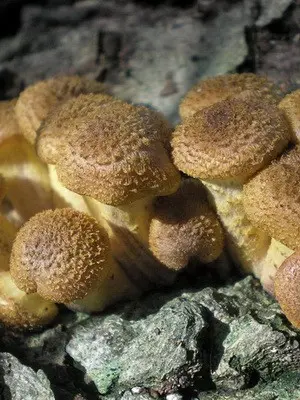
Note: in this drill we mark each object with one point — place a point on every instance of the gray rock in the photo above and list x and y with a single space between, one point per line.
161 350
272 9
236 335
22 383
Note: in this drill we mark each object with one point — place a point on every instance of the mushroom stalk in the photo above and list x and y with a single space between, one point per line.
28 187
63 197
128 229
247 244
276 255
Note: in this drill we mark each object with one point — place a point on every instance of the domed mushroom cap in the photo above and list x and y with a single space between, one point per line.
272 199
57 129
37 100
60 255
63 121
287 283
291 107
184 226
118 156
212 90
230 139
21 310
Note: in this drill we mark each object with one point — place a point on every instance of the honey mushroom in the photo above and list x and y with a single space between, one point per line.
64 256
224 145
183 227
27 183
18 309
117 156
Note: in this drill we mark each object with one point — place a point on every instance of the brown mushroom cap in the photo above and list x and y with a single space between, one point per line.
118 154
287 283
60 255
57 129
37 100
231 139
272 199
212 90
291 107
21 310
184 226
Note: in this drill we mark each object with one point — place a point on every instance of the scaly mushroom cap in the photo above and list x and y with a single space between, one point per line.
212 90
60 254
291 107
21 310
231 139
57 129
184 226
287 283
117 154
272 199
37 100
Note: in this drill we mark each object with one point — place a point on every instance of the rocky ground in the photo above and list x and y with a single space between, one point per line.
203 339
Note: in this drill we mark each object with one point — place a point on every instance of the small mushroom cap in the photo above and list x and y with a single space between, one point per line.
60 255
184 226
272 199
21 310
231 139
118 155
291 107
287 283
212 90
37 100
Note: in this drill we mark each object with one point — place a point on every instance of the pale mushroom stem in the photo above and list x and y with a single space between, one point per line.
114 288
247 245
128 229
63 197
23 310
276 255
28 186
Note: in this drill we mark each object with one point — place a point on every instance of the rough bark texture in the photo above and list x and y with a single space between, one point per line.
198 340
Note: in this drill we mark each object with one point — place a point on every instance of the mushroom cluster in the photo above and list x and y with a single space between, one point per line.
93 209
240 138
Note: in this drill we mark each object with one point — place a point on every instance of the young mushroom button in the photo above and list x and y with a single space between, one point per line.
185 227
290 105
